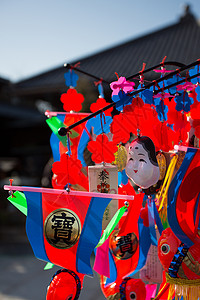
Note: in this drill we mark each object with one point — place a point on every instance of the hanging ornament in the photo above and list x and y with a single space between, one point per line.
103 179
121 85
123 247
99 104
142 166
65 284
120 158
72 100
71 78
102 149
181 264
68 171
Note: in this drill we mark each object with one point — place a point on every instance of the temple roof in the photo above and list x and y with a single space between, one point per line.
179 42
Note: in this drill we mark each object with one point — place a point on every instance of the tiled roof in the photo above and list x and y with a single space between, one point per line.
179 42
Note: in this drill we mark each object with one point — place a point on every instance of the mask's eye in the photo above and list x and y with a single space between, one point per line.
133 295
142 160
165 248
69 297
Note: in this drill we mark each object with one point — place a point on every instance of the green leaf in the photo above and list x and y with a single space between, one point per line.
55 123
18 199
48 266
111 225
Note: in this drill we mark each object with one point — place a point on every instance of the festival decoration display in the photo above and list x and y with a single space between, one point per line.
145 157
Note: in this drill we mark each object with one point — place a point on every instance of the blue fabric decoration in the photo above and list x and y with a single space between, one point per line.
195 211
54 142
71 78
170 126
90 234
193 72
173 194
113 270
161 109
144 245
34 224
122 99
98 122
151 218
197 90
84 139
183 102
157 219
122 178
146 95
174 79
100 89
68 145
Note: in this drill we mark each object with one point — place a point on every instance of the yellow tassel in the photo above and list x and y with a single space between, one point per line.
188 289
171 292
167 181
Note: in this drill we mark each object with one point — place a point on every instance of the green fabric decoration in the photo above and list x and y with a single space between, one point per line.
18 199
55 123
111 225
48 266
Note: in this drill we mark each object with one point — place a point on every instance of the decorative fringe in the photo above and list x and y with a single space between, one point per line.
163 211
167 181
185 288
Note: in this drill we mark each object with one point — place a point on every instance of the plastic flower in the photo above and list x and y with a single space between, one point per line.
71 78
122 126
193 72
183 102
121 100
187 86
72 100
122 84
102 149
99 104
68 171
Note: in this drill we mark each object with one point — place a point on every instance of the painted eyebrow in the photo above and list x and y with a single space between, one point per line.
141 154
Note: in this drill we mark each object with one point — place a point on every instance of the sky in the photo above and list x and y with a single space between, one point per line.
39 35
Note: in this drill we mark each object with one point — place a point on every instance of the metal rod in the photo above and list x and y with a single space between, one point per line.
63 130
68 66
72 193
169 63
174 84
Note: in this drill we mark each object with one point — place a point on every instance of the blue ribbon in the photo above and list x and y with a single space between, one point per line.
151 216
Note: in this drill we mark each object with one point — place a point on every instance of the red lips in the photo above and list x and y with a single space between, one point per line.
135 171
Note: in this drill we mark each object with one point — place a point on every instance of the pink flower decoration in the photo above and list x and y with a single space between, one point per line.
162 71
162 95
188 86
122 84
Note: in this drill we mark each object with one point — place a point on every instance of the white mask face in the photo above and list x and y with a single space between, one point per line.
139 167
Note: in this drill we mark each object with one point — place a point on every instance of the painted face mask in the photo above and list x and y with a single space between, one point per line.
142 166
